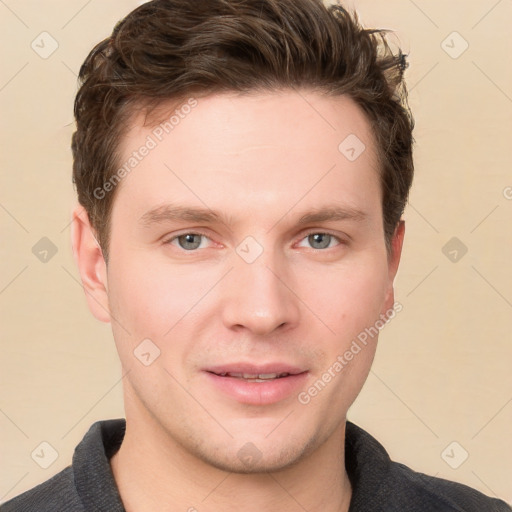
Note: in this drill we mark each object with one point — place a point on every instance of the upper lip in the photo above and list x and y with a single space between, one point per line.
255 369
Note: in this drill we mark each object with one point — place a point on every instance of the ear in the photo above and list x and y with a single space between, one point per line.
393 261
91 264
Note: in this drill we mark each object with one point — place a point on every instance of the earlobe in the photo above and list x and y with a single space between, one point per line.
91 264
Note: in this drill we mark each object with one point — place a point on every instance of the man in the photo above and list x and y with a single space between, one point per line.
242 167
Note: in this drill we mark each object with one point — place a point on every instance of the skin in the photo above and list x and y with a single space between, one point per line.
262 161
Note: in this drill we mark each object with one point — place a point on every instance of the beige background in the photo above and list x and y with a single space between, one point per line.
443 368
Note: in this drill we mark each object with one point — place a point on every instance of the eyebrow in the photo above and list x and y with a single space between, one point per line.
332 213
169 213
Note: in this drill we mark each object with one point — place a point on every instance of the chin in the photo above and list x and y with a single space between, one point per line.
249 458
259 463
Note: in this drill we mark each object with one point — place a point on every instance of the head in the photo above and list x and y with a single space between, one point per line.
286 123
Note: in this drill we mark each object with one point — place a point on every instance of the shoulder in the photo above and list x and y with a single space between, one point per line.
434 493
382 485
57 494
87 484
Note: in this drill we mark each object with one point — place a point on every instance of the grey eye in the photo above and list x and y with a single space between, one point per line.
190 241
320 240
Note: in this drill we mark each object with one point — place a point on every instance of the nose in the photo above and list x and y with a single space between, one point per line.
259 297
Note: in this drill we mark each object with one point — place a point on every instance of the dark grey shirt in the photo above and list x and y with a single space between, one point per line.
378 483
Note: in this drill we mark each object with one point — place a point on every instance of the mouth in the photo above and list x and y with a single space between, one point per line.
257 385
254 372
259 377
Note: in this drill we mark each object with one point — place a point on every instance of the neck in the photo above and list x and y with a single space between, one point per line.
154 473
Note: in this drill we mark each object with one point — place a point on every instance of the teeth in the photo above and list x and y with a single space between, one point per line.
261 377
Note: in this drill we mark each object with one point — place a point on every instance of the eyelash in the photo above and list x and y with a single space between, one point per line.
313 232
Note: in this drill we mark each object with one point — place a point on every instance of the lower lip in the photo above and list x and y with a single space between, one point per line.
258 393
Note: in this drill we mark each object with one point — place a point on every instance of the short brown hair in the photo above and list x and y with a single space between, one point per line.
169 49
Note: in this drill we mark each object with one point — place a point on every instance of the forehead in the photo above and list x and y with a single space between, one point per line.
303 111
230 118
256 149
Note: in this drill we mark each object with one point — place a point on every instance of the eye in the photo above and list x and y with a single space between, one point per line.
188 241
193 241
321 240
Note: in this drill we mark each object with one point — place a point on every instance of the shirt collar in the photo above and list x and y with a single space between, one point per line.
94 480
365 459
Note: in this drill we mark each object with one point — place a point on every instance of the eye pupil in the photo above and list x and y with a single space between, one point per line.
189 241
323 239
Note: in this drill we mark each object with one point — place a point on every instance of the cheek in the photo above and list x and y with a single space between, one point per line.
348 298
350 305
150 299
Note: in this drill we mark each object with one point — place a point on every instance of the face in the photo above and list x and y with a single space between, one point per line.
247 250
